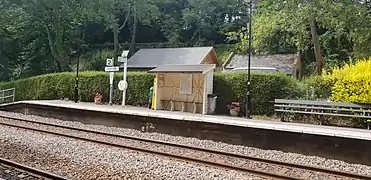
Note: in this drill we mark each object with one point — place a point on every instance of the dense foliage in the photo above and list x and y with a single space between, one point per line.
228 88
316 88
351 83
326 31
47 36
61 86
264 89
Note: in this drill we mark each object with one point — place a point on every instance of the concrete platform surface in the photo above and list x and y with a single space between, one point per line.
233 121
341 132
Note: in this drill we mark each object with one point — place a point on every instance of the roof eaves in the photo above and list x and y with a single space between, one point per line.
229 59
208 52
216 57
209 69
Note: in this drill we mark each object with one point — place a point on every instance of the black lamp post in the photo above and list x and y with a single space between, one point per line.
78 52
77 80
248 95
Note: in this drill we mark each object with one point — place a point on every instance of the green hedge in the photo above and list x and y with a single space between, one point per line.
61 85
320 86
227 86
264 89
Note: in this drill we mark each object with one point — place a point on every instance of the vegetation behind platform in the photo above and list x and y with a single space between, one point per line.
264 89
228 88
49 36
351 83
316 88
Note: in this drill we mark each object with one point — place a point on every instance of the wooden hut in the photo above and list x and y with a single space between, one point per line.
183 87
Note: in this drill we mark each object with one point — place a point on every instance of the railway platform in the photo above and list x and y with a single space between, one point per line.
348 144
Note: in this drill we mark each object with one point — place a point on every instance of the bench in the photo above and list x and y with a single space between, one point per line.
183 105
323 108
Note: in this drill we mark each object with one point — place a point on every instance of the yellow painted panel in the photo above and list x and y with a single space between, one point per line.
154 94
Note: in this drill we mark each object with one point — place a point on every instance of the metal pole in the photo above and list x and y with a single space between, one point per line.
77 81
111 88
77 70
124 79
248 96
13 94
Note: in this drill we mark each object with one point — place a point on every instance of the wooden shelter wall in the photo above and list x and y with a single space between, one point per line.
169 89
210 58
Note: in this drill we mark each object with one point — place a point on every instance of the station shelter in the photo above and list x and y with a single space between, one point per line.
186 88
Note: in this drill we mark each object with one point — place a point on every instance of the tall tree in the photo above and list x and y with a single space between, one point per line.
201 21
116 14
296 23
206 20
145 12
58 19
119 13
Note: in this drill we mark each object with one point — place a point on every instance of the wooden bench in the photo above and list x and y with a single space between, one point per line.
323 108
172 102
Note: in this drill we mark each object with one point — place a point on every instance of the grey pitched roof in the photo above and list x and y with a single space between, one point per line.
283 62
151 58
202 68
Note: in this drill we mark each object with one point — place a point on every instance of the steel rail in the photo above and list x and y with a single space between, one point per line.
31 170
254 171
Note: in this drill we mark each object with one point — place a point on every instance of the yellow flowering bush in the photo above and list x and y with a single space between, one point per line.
351 83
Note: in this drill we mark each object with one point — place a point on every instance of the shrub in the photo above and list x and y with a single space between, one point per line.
264 89
227 86
94 59
61 85
4 85
352 83
316 88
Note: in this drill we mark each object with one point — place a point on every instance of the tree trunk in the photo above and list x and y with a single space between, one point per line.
132 44
320 64
116 31
50 40
61 65
115 43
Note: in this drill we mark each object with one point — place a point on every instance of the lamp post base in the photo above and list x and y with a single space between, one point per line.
249 103
77 91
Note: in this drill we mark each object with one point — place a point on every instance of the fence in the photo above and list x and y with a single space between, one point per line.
7 95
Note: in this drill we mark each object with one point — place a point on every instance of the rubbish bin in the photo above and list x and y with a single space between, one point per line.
211 101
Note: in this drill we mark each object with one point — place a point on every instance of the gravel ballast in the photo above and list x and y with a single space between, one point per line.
76 159
270 154
7 172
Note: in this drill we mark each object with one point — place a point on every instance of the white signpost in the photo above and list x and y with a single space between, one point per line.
111 76
109 68
112 69
109 62
124 83
121 59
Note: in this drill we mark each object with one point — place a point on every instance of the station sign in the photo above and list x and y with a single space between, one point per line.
109 62
123 85
112 69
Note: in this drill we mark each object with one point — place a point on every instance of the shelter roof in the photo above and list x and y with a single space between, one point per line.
283 62
152 58
201 68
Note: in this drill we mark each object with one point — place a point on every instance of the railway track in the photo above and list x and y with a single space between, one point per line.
15 170
252 165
